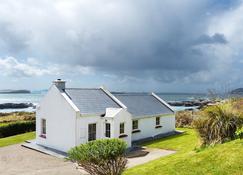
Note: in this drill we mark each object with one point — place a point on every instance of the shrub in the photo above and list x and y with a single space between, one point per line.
100 157
239 133
218 124
184 119
11 129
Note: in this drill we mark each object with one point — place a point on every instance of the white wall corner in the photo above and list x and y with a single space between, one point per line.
163 102
113 97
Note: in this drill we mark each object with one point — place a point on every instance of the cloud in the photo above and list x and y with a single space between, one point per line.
217 38
10 66
168 41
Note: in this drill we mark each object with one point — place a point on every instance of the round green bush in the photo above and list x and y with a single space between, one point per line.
100 157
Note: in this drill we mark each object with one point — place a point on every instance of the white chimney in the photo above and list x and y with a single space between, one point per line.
60 84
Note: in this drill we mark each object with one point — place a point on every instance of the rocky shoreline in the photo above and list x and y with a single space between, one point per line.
195 103
16 105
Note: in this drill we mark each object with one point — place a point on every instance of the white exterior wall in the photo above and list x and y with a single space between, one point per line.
147 125
82 127
123 117
60 121
113 116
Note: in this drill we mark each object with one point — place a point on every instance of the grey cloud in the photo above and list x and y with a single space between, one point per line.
10 40
160 39
217 38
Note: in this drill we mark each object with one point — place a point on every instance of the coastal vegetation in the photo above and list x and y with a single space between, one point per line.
16 123
100 157
184 119
218 124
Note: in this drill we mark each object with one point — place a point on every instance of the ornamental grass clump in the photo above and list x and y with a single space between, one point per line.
184 119
100 157
218 124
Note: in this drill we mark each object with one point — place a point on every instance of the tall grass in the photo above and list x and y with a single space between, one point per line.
218 124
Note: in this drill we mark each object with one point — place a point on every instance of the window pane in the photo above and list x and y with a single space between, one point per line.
43 126
92 132
122 128
108 130
135 124
157 120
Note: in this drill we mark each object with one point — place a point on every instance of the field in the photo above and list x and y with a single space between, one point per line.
16 139
16 116
222 159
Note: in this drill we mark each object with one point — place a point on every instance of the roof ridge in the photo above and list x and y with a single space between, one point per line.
132 94
111 96
82 88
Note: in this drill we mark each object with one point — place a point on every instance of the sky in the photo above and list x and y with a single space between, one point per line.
125 45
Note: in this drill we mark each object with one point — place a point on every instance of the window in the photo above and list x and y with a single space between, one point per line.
43 126
108 130
92 132
134 124
157 121
122 128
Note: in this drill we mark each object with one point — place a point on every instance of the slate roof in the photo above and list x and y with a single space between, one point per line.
140 104
91 101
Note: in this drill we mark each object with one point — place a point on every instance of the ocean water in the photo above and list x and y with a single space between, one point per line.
21 98
35 98
182 96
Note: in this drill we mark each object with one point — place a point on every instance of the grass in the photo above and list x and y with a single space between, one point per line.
222 159
16 116
16 139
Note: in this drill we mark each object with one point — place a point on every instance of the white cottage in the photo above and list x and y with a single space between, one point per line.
67 117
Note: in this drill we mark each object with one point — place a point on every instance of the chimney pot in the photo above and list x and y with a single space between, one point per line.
60 84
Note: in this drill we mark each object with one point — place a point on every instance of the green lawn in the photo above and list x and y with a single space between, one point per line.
220 160
16 139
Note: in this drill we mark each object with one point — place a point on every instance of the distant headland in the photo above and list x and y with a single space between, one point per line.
10 91
237 91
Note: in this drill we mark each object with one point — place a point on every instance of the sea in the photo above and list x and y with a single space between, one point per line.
36 96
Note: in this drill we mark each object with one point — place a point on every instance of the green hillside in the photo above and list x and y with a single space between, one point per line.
221 159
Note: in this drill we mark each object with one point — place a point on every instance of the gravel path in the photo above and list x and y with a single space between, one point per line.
17 160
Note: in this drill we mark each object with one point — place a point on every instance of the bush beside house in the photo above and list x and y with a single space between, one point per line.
100 157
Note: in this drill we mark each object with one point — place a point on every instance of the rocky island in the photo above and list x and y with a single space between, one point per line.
16 105
9 91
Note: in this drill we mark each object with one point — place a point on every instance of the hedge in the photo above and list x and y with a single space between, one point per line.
16 128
